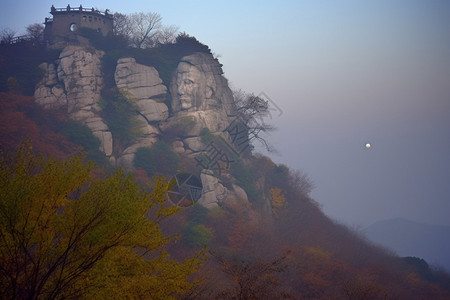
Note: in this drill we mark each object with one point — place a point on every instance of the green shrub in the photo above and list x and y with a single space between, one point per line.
198 214
279 176
109 63
159 159
165 57
21 61
246 178
80 134
12 84
181 128
105 43
206 136
197 235
119 113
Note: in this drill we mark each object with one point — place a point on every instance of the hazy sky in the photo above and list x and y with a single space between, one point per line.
343 73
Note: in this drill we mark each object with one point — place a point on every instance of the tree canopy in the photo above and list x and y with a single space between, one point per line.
66 231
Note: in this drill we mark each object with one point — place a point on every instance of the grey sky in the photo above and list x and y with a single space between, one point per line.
344 73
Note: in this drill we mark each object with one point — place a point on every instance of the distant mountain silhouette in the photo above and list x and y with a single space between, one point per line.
409 238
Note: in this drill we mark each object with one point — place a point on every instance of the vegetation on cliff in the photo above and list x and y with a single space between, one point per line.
68 229
21 62
164 57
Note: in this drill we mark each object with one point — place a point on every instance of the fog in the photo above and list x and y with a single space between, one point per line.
342 73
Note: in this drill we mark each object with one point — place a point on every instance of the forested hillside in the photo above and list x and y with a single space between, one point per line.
75 224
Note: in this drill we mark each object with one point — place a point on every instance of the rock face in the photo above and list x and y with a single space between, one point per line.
145 86
213 191
216 195
199 99
198 84
149 136
74 83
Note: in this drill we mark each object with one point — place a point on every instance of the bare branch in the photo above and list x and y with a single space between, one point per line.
144 30
122 25
250 112
35 32
166 34
145 27
7 35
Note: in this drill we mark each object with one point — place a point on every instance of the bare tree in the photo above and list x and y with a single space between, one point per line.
35 32
7 35
250 113
255 279
122 25
144 28
301 182
166 34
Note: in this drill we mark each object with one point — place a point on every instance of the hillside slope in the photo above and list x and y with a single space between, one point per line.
266 237
409 238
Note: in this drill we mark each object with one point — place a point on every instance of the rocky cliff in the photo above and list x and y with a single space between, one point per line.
198 99
74 83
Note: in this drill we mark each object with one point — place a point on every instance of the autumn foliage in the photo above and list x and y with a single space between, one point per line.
69 230
21 119
67 233
294 251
